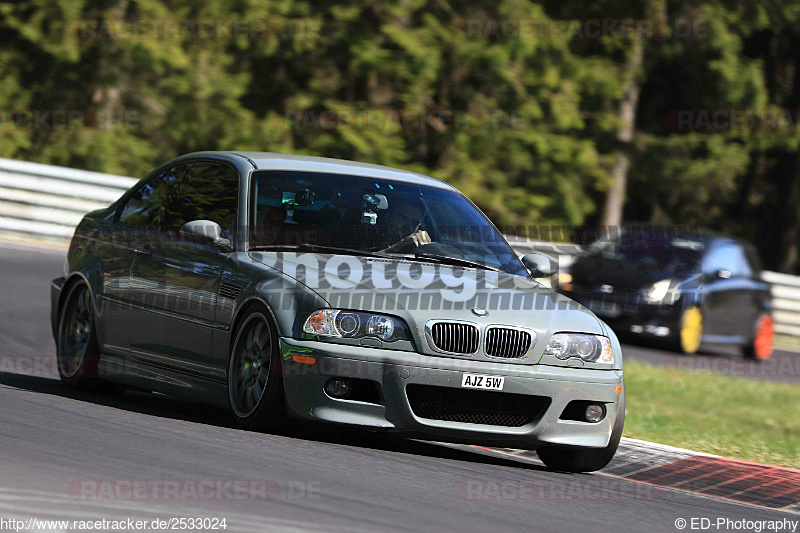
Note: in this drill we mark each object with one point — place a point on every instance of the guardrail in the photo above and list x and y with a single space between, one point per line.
785 291
49 201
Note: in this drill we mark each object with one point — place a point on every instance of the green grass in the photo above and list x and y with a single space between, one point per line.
746 419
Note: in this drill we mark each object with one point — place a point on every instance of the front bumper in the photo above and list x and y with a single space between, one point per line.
394 371
630 314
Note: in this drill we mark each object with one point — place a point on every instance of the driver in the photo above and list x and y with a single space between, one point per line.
269 224
405 218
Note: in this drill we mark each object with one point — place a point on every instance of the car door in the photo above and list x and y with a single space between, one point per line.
727 290
147 292
209 191
135 228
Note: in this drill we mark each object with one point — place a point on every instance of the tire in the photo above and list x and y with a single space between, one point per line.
575 459
77 350
255 386
688 335
759 346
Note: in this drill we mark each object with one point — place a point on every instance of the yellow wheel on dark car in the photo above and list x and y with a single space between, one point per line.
691 330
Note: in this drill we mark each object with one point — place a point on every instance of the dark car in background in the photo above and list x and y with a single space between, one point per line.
680 288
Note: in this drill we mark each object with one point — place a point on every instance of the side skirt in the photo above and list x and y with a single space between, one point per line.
148 377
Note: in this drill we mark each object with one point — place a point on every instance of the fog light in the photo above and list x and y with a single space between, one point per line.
595 412
339 388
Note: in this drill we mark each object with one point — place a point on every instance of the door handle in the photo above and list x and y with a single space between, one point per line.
144 250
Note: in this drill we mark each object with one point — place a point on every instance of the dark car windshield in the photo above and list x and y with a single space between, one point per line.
375 215
676 252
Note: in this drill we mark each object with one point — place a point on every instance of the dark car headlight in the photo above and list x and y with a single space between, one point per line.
661 291
341 323
590 348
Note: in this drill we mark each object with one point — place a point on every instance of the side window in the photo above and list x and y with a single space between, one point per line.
208 192
145 207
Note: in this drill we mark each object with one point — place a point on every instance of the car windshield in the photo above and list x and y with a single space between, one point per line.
664 250
373 215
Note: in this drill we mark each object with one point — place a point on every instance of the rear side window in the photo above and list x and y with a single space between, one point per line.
208 192
145 207
730 257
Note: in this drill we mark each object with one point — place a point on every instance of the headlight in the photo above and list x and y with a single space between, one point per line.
591 348
659 290
355 324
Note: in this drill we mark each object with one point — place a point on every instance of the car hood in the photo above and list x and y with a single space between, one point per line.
418 292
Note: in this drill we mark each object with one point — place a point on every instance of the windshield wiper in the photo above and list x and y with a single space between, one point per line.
320 249
455 261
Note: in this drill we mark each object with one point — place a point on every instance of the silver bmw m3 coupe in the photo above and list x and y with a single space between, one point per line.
289 287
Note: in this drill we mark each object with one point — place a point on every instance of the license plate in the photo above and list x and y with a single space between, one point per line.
480 381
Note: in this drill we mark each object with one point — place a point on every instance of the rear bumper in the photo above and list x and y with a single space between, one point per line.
394 371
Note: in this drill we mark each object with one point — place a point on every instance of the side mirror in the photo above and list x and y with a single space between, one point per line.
207 232
539 265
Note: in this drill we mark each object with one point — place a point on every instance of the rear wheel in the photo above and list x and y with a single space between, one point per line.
77 351
759 346
255 388
574 459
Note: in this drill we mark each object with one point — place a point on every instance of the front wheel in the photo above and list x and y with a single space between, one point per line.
689 334
575 459
255 387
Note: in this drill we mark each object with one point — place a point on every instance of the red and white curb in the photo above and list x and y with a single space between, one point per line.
767 486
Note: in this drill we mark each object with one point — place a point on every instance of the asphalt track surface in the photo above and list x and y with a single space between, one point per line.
75 456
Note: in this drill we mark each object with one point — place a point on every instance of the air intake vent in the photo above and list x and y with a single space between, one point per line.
507 342
454 337
226 290
474 406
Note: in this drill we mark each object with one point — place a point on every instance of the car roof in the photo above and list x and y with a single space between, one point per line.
276 161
